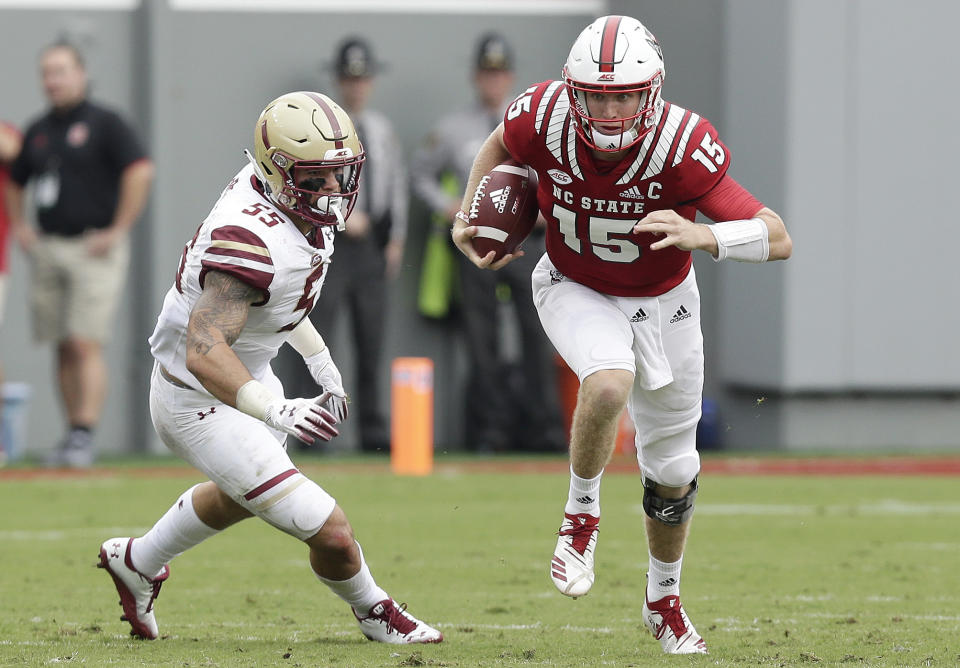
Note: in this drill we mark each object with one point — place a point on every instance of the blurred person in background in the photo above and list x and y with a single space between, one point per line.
10 141
245 285
370 251
622 176
91 179
525 415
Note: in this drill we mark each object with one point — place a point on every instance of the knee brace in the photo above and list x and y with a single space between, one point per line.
300 509
672 512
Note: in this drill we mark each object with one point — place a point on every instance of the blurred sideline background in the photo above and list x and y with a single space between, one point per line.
838 114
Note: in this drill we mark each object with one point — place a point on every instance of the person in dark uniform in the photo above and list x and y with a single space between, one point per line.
91 179
524 414
369 250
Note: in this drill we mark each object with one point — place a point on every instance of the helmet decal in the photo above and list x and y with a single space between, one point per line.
331 118
608 43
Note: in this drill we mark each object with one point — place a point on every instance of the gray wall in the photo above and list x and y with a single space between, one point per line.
849 116
831 110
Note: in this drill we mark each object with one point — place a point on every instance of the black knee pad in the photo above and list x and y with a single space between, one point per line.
672 512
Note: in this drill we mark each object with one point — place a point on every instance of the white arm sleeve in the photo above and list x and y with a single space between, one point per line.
742 240
306 340
253 398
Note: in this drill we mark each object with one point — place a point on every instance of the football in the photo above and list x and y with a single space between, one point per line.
504 208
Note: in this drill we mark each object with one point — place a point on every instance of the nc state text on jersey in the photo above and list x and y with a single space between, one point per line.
632 206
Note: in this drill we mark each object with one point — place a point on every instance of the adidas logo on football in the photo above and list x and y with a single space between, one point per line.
639 316
681 314
500 198
633 192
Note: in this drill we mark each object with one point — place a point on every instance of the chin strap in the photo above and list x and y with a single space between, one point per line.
341 222
256 170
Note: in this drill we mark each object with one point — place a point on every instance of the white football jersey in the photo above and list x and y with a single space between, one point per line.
248 237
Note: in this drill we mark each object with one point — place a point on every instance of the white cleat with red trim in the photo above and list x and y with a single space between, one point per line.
391 623
571 568
668 622
137 591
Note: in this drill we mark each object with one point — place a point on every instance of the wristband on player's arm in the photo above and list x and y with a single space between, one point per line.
742 240
306 340
253 398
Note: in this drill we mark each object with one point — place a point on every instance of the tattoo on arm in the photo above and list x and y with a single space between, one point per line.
220 313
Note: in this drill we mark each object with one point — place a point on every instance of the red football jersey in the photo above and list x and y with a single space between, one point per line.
591 205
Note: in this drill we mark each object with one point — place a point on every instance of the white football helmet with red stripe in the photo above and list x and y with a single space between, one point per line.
615 54
305 131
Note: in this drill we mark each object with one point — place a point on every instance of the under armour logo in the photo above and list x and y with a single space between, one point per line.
202 414
283 409
115 553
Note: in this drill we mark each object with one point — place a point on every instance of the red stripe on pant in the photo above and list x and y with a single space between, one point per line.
270 484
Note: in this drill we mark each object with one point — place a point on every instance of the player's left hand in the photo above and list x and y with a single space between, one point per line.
326 374
675 230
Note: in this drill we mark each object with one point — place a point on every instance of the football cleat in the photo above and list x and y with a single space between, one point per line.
387 622
668 622
137 591
572 566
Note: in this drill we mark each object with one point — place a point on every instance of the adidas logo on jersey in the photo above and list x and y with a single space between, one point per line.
633 192
639 316
500 198
681 314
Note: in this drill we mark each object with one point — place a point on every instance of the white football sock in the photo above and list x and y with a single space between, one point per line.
663 579
584 496
361 591
173 534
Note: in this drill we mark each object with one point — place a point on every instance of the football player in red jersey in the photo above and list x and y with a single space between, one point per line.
622 174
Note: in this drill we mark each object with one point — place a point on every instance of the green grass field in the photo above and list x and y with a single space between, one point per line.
780 571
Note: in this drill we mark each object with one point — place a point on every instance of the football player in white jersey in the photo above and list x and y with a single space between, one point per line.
245 285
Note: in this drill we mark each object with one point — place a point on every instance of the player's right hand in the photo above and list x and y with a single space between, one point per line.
306 419
463 235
